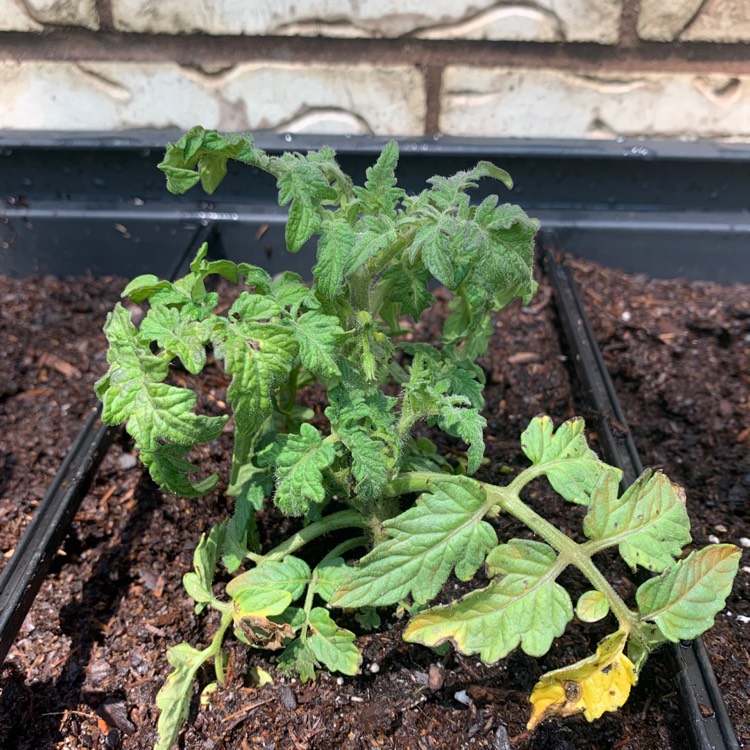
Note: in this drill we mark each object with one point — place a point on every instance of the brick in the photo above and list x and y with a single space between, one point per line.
680 20
545 20
295 98
558 104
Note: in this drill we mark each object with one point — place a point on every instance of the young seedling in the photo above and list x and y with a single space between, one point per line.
379 251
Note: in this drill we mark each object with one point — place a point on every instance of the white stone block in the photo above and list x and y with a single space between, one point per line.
296 98
544 20
695 20
64 12
557 104
13 18
329 99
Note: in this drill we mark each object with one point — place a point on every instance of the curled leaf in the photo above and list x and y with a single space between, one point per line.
260 631
593 686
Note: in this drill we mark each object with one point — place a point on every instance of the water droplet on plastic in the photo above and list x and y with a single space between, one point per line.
436 137
288 137
620 139
637 151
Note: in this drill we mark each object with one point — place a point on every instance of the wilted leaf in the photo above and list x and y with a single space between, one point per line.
595 685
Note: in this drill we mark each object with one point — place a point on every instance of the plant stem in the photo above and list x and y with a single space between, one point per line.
344 519
569 550
359 289
411 482
214 648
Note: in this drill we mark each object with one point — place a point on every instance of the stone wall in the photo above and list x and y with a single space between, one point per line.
546 68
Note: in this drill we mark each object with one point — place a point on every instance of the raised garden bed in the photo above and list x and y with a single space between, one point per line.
94 640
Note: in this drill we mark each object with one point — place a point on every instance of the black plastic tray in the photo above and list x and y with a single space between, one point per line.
96 203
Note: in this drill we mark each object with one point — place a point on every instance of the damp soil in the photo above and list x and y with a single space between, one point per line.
90 658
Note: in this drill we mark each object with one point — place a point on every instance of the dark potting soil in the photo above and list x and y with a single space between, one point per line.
91 655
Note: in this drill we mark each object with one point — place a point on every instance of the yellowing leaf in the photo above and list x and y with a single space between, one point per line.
593 686
260 677
684 600
592 606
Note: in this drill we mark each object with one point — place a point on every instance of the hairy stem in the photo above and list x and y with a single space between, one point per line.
344 519
570 551
214 648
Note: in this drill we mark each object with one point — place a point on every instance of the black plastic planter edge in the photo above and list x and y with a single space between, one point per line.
22 577
26 570
707 722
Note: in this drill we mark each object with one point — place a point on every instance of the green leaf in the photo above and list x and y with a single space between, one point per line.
142 287
592 606
426 395
158 416
526 606
336 243
364 419
254 276
441 244
259 357
208 152
372 461
468 424
501 239
269 588
331 645
198 583
241 531
443 531
299 469
380 196
373 234
649 522
306 188
328 576
288 290
173 699
319 337
176 332
254 307
683 600
298 659
571 467
411 289
169 469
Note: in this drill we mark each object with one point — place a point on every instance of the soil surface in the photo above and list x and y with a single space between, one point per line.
84 671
